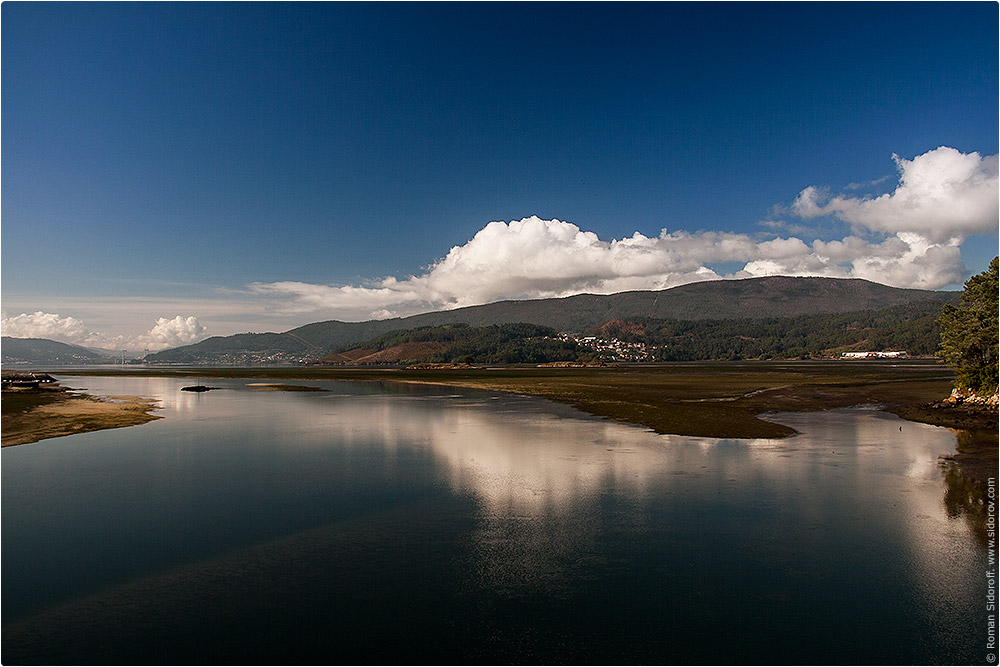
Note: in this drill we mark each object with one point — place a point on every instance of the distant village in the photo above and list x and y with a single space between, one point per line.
612 349
874 355
607 349
593 347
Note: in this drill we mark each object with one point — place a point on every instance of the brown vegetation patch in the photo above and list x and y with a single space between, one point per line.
618 328
349 357
404 352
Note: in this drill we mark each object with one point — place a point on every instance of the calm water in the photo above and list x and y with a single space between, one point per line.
385 524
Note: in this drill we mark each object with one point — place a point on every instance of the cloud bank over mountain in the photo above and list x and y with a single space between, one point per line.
172 332
46 325
910 237
165 333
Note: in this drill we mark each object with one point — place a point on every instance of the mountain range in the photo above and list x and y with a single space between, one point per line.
42 351
751 299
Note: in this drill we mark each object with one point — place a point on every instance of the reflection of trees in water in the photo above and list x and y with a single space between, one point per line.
966 497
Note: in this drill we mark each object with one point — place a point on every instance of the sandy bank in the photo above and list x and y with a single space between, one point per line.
55 414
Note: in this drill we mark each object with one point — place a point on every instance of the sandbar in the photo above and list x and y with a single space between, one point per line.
30 417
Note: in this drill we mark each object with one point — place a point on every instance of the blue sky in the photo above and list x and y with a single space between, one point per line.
185 169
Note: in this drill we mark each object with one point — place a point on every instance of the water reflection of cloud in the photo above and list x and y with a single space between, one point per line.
893 467
545 485
539 478
534 463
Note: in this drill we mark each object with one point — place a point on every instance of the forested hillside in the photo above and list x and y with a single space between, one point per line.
724 300
42 351
911 328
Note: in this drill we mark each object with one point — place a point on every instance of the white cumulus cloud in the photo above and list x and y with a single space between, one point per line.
170 333
535 258
903 260
528 258
910 237
46 325
165 333
943 194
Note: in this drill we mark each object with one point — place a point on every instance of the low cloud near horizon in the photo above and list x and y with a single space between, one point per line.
164 334
910 237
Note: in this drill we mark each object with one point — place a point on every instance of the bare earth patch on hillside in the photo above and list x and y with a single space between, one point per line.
404 352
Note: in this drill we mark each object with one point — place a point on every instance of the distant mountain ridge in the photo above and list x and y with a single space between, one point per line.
751 298
42 351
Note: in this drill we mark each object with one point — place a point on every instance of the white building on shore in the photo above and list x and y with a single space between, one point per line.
874 355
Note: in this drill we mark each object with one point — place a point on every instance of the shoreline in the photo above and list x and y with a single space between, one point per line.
976 431
709 399
31 416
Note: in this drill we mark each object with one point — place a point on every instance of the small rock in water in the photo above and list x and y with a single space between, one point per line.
197 387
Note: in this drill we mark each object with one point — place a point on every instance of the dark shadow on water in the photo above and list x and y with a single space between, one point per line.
966 497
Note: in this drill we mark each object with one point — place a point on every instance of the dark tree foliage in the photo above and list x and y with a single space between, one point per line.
910 328
969 333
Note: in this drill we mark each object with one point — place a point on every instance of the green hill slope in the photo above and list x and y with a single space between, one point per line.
755 298
42 351
911 328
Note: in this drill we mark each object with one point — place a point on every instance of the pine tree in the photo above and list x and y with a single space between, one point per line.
969 333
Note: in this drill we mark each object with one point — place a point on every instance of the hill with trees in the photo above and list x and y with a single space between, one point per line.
912 328
969 333
42 352
723 300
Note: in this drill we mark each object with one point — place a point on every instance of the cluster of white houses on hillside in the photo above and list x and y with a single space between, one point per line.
611 349
874 355
616 350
